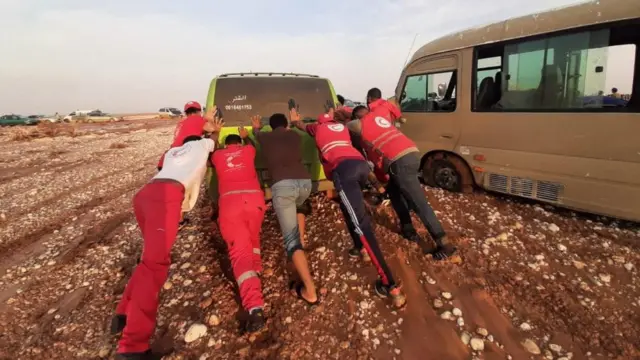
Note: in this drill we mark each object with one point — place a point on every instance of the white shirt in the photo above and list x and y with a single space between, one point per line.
187 164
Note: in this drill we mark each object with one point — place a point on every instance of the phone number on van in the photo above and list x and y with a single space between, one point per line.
238 107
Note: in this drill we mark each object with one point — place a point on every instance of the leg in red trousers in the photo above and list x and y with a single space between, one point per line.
240 219
157 207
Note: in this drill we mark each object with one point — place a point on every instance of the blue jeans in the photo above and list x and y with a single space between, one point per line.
287 196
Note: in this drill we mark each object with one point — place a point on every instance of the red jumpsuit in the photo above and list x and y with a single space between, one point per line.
242 209
189 126
157 207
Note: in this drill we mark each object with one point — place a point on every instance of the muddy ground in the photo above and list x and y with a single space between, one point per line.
532 282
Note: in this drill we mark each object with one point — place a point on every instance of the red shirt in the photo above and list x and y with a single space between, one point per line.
385 109
189 126
235 167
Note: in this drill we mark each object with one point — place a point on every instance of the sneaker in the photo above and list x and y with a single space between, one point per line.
256 320
147 355
398 299
118 323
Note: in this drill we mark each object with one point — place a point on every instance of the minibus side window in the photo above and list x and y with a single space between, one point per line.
582 71
434 92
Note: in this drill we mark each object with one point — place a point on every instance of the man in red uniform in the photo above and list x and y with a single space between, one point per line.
242 209
349 171
193 125
341 105
157 207
398 157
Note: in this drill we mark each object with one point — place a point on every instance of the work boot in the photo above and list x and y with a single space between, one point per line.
118 323
256 320
398 299
360 253
147 355
409 232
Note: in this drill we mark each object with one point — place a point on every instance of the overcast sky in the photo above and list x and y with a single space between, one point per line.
140 55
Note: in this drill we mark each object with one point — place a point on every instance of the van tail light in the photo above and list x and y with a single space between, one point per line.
479 157
478 169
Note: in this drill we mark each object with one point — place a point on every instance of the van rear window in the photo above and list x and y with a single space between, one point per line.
242 97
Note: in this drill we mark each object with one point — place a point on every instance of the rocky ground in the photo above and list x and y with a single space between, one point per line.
532 282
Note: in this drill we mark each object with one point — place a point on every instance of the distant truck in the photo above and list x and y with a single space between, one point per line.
241 95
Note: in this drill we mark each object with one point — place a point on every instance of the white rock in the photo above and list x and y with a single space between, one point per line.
195 332
477 344
555 347
321 249
288 320
502 237
214 320
562 248
446 315
431 280
460 322
605 278
628 266
482 331
553 227
457 312
531 346
525 327
364 305
365 333
465 337
447 295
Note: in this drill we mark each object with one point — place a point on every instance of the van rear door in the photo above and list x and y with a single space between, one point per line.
241 97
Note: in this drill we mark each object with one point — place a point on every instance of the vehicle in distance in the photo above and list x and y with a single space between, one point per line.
14 120
89 116
241 95
169 112
517 107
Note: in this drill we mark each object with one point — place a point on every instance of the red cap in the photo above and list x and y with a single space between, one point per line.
192 105
324 118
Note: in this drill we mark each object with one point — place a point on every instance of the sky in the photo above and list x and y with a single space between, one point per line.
140 55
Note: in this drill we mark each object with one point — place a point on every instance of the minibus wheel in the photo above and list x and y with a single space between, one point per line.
447 172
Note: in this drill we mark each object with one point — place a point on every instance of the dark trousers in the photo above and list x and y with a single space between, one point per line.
406 193
349 179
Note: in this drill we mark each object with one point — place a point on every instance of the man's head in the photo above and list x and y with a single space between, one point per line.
359 112
341 100
192 108
191 138
233 139
614 90
373 95
278 120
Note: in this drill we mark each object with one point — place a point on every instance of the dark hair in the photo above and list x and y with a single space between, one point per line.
278 120
191 138
614 90
374 94
341 99
355 111
233 139
191 111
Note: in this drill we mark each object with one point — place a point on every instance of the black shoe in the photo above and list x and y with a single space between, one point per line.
147 355
256 321
443 252
398 299
409 233
354 253
118 323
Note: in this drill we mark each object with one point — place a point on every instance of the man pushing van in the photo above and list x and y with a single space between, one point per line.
398 157
349 171
157 207
242 209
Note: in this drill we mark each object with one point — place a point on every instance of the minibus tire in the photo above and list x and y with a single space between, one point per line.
439 166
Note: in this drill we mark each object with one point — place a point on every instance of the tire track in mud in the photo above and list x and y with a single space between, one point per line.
65 302
10 252
74 189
